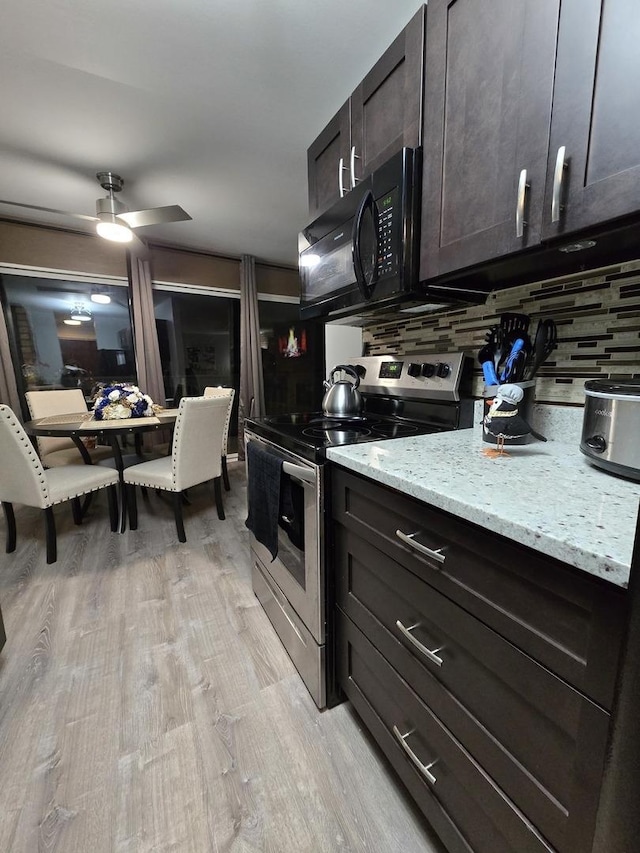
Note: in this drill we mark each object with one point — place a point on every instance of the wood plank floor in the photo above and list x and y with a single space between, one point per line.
146 703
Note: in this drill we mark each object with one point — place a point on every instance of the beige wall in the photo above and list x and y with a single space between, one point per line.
26 245
35 246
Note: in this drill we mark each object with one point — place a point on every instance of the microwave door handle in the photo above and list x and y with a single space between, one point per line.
365 286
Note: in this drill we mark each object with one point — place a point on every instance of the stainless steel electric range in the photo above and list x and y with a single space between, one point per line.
402 396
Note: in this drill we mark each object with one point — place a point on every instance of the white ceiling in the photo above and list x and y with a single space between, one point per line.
210 104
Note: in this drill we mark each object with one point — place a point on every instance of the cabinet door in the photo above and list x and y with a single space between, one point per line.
488 91
596 116
328 163
386 106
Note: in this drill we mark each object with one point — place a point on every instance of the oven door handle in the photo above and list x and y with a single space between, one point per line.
300 473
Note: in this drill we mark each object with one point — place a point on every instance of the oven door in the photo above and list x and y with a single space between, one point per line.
298 569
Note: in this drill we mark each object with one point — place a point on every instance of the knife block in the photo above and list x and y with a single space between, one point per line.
525 410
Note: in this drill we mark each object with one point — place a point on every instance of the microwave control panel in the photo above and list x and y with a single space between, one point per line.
388 213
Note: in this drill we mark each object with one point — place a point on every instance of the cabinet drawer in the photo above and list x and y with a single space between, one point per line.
460 800
539 738
564 619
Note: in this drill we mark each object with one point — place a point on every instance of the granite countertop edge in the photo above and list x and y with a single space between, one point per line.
546 496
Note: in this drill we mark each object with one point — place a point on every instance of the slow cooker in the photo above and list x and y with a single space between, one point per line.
611 425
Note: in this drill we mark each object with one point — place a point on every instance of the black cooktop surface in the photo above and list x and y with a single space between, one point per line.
310 433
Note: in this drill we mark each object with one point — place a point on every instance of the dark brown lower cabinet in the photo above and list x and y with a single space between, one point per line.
498 736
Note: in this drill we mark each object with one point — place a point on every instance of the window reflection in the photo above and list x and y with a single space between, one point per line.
198 338
65 339
292 359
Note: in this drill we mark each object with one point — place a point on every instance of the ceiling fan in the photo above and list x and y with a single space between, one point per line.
113 220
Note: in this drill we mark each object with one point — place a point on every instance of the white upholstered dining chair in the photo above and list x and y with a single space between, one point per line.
25 481
61 451
196 457
230 393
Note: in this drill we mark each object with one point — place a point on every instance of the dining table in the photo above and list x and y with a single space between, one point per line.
81 425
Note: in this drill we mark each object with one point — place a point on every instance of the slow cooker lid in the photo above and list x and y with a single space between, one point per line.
623 387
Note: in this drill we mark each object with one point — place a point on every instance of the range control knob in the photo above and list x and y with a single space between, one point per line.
360 370
443 370
428 369
414 369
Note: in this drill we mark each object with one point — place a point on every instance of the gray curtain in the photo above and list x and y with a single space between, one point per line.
8 388
145 336
251 402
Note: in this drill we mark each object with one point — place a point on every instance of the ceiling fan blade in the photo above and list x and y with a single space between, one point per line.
154 216
50 210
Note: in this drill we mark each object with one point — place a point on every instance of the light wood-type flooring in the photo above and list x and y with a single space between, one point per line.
146 703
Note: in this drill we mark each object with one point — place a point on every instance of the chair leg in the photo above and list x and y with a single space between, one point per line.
225 474
86 503
11 526
76 509
132 506
177 511
112 498
217 489
50 526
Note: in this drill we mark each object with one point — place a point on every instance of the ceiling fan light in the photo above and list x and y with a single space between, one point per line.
100 298
115 231
71 322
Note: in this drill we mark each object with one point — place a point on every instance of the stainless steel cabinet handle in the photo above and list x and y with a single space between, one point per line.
423 768
341 169
523 186
352 166
558 180
431 655
408 539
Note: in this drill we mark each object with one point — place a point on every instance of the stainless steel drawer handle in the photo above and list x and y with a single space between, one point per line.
523 186
408 539
425 769
352 166
558 180
428 653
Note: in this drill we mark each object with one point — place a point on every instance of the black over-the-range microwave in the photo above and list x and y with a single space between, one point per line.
364 251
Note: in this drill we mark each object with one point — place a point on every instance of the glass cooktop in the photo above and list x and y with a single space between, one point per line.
310 433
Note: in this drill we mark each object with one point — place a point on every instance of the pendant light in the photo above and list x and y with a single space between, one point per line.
80 314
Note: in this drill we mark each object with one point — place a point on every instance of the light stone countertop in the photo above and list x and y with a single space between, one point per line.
544 495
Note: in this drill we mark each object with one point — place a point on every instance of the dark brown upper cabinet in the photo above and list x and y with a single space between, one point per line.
488 97
328 162
531 134
593 173
382 116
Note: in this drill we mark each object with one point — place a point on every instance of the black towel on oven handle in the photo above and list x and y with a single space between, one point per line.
264 473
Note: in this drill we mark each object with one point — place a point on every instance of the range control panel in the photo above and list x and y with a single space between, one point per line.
436 376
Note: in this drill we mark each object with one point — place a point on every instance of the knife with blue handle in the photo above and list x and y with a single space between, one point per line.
489 373
512 360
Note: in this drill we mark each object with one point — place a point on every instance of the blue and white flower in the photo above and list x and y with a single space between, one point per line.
119 401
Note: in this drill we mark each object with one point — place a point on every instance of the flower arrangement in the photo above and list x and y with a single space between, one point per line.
120 400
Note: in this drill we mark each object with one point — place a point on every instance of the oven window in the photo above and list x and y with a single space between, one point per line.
291 530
